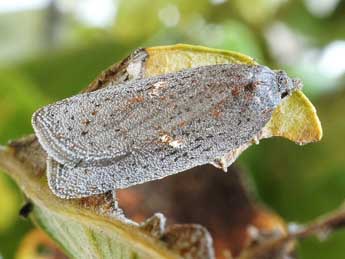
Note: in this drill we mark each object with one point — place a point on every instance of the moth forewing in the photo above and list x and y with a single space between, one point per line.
151 128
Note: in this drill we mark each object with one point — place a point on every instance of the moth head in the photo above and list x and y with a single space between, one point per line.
287 85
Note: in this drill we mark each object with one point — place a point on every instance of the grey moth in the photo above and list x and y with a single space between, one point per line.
147 129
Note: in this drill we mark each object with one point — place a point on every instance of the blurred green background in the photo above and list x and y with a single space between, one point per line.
51 49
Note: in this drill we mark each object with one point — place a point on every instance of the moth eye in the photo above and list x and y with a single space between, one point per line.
281 80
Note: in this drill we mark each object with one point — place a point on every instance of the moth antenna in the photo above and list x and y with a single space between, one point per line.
297 83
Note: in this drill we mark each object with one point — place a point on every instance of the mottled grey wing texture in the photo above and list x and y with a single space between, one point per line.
150 128
98 127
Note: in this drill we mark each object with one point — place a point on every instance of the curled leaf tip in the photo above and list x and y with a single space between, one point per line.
295 119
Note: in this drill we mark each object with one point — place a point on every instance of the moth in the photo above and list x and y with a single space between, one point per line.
147 129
